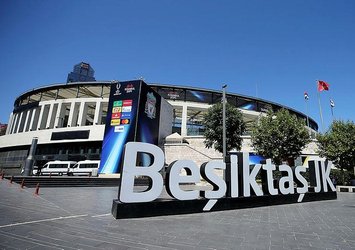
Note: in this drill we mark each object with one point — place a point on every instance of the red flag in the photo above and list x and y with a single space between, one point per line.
322 85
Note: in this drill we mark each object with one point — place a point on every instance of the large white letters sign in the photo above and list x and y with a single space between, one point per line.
241 182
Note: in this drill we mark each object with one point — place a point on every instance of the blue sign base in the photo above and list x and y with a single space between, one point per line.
161 207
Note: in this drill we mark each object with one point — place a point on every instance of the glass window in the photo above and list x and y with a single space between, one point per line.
75 118
90 113
194 124
89 165
43 122
104 106
58 166
177 120
13 159
64 115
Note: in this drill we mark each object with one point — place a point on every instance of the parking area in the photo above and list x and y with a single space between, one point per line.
80 218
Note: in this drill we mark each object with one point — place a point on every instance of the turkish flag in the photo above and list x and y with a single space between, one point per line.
322 85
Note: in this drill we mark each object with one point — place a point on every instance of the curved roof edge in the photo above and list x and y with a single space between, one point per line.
70 84
231 93
56 85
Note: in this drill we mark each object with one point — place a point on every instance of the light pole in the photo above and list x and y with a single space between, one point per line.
224 122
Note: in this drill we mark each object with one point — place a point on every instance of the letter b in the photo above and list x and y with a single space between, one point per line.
130 170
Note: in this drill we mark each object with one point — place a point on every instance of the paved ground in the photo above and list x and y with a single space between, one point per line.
80 218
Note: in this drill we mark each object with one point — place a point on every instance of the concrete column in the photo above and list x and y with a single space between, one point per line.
50 114
25 126
31 114
23 121
14 124
82 114
18 125
75 120
9 124
32 125
59 116
53 115
98 113
71 113
184 120
40 116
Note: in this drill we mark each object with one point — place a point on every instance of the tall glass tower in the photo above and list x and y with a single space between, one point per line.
82 73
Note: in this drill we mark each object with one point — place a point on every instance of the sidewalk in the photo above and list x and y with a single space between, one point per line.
80 218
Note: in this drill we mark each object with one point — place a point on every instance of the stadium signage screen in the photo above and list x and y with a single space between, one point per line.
133 115
240 179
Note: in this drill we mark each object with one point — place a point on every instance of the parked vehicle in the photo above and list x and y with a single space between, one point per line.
55 168
87 167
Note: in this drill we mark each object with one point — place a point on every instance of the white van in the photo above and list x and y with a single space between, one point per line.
56 168
86 167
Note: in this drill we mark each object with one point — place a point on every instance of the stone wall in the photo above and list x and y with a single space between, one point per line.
193 148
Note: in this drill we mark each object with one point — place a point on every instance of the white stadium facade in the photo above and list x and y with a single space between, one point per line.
69 121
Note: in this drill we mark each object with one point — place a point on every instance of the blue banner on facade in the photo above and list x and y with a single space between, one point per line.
132 115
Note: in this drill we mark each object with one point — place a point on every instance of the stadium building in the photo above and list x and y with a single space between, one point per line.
69 121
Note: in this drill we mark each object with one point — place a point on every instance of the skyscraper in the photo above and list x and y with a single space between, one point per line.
82 72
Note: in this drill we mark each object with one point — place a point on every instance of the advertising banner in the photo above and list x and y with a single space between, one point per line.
133 115
120 124
148 115
148 120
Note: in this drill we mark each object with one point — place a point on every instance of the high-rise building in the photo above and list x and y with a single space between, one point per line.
82 72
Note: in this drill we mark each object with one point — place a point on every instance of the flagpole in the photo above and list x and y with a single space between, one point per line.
331 108
309 130
320 109
307 115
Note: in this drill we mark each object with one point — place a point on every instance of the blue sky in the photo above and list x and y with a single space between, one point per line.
272 49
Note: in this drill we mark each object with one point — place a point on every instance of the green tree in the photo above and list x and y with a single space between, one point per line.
338 144
235 127
280 136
